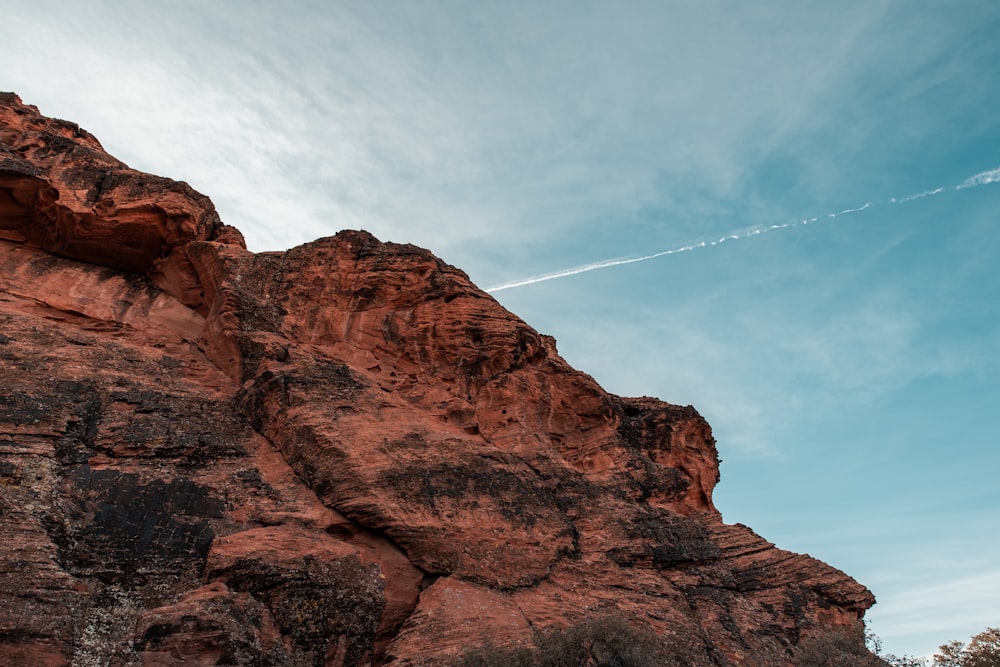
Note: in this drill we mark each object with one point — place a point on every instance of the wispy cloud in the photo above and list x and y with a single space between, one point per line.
952 602
439 127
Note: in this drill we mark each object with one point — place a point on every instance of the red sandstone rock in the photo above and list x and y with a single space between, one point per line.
340 454
62 192
210 626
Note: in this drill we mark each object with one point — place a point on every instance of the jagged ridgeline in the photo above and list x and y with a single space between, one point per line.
341 454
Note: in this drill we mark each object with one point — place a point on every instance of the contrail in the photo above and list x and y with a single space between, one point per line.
982 178
921 195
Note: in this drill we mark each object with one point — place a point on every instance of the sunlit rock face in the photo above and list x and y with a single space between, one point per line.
342 454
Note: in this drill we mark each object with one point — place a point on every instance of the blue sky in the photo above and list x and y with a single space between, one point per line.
849 366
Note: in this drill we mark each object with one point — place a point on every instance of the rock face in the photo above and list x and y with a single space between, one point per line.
342 454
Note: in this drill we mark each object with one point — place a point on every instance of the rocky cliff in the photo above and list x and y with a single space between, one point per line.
342 454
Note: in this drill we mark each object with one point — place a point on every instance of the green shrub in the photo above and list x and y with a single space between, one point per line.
602 642
837 647
489 655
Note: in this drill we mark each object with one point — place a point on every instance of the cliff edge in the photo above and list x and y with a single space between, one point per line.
342 454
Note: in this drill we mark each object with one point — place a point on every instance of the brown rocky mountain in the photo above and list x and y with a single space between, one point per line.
342 454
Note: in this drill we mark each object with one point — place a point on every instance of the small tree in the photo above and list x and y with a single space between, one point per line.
983 650
902 661
950 655
874 645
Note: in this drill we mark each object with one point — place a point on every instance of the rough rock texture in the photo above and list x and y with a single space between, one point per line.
342 454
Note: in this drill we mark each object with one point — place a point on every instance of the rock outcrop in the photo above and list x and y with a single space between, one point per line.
342 454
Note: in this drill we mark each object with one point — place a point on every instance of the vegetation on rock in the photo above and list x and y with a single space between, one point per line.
602 642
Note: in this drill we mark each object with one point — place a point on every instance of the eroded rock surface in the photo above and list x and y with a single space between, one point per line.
342 454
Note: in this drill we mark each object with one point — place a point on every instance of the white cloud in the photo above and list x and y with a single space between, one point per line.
443 127
950 603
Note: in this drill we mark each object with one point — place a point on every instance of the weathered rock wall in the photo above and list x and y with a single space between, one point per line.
340 454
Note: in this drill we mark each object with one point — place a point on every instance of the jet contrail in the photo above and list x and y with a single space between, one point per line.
921 195
982 178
